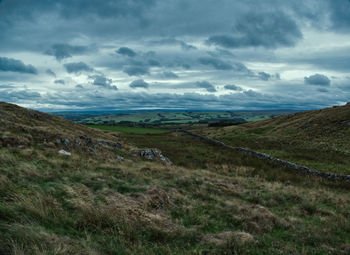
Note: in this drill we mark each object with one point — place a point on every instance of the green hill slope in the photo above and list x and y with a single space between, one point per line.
319 139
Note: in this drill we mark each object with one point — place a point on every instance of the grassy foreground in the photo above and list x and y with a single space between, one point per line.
99 205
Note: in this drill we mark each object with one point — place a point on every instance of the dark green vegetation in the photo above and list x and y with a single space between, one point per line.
166 118
131 130
210 201
317 139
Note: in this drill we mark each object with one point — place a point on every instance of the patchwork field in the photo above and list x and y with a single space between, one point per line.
169 117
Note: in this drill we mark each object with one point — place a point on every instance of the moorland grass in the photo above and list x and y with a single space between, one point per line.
86 205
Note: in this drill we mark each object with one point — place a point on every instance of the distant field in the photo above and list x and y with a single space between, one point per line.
153 118
130 130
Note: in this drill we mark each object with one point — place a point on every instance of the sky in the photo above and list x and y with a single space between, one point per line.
175 54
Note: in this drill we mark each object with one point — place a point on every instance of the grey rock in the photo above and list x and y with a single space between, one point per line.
66 142
63 152
120 158
109 144
154 154
87 140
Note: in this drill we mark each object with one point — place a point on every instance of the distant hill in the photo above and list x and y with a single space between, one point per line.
319 138
333 122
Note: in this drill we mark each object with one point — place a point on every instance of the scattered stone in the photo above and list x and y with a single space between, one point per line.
63 152
154 153
221 239
86 139
110 144
66 142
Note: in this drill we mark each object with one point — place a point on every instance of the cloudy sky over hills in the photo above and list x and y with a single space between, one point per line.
186 54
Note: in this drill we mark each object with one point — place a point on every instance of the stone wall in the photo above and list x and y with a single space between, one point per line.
299 169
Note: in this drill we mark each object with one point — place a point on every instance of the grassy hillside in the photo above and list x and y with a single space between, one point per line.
318 139
210 201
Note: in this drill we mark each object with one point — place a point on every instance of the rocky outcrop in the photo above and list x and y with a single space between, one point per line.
298 168
87 142
154 154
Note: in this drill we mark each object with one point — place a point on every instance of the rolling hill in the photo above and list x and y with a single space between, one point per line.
319 139
104 198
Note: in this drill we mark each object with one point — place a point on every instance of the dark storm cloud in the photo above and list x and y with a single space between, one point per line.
252 93
59 82
6 86
233 87
14 65
126 52
206 85
264 76
169 74
77 67
146 19
103 81
318 80
340 13
153 62
174 41
139 84
136 70
18 95
107 9
266 29
70 9
323 90
51 73
216 63
62 50
337 59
